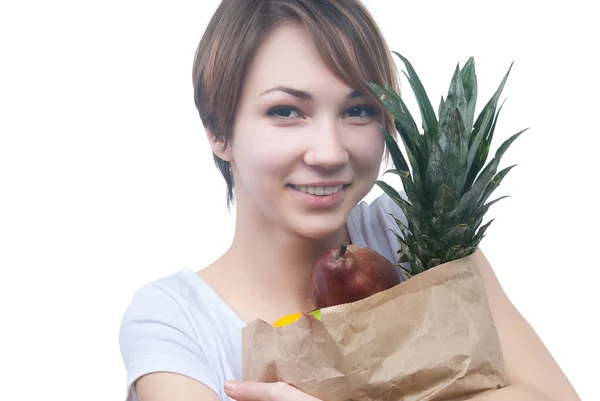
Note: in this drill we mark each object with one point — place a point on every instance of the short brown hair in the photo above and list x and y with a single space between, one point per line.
237 29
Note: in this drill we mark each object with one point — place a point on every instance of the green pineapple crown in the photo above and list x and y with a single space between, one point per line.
445 185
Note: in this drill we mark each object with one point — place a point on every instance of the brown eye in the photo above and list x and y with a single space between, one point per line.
362 111
282 112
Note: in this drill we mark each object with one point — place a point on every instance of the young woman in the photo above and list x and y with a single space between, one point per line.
279 85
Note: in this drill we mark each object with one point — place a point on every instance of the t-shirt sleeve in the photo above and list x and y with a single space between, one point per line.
156 335
387 211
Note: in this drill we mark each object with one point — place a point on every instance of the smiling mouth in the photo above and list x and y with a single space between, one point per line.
319 190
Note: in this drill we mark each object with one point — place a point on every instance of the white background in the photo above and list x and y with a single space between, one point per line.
107 182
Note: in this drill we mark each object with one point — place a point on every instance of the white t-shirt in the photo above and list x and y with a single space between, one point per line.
179 324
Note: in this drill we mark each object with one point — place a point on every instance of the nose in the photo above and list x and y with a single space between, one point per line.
326 150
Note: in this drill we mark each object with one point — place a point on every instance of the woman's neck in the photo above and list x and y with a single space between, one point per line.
277 263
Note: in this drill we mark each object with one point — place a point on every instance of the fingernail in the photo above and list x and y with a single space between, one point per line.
230 385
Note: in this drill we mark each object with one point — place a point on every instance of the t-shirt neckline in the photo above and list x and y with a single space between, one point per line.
353 234
215 299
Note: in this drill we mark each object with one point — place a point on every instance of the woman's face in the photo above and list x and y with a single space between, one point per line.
306 148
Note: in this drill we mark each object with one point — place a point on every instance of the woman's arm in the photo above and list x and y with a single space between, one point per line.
171 386
513 392
162 351
532 372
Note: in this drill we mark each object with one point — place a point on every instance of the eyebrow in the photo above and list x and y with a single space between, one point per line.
305 95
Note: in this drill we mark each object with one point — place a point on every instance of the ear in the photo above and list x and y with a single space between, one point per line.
217 145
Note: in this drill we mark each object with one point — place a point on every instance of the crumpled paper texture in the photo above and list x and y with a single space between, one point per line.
430 338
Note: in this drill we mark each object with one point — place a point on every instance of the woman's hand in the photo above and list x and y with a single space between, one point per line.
254 391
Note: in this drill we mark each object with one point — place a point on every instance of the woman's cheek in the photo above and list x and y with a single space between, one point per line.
368 146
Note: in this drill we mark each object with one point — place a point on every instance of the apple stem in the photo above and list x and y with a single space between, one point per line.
343 249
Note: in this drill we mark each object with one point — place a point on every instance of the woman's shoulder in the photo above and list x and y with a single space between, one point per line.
169 292
182 294
376 214
176 323
372 224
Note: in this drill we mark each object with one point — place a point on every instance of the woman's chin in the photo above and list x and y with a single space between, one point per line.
322 228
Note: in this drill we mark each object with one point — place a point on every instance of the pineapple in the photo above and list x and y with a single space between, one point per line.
446 186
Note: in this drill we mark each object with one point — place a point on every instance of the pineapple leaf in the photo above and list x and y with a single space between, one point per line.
432 243
440 106
397 157
476 243
469 79
461 253
412 191
457 98
453 146
407 273
402 240
450 253
475 195
430 124
472 198
418 266
445 173
480 212
391 192
415 196
495 182
407 128
481 153
483 123
453 138
487 205
439 224
480 234
455 234
416 219
401 173
425 253
442 168
407 208
416 168
433 263
405 252
445 201
405 232
436 171
404 123
507 143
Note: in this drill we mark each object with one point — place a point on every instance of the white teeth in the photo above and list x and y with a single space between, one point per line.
319 191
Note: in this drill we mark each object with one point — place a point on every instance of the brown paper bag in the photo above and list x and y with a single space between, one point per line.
430 338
